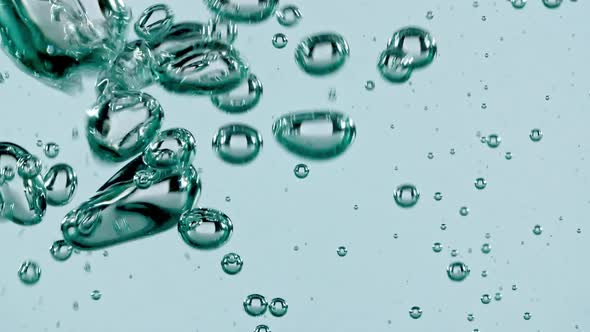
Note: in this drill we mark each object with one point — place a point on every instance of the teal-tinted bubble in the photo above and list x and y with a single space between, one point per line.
301 171
171 148
237 143
518 4
427 44
122 125
255 305
205 68
51 150
121 212
536 135
60 250
278 307
154 22
29 272
493 140
232 263
552 4
243 11
236 101
486 299
95 295
262 328
289 15
60 183
393 65
480 183
415 312
458 271
406 195
279 40
312 60
205 228
222 29
315 134
28 166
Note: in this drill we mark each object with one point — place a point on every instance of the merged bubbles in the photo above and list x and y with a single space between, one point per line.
397 62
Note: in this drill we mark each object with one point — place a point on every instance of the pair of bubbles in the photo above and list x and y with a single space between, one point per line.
256 305
551 4
25 192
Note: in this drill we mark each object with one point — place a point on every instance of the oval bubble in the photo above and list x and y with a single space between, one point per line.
122 125
243 11
172 148
426 41
334 52
393 66
208 67
132 69
204 228
154 22
180 37
315 134
61 183
22 200
121 212
237 143
236 102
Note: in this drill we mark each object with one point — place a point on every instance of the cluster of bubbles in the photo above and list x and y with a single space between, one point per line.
551 4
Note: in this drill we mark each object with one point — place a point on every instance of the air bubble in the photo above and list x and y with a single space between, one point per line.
255 305
438 196
527 316
428 46
406 195
28 166
51 150
306 53
464 211
552 4
415 312
278 307
262 328
537 230
231 263
486 299
243 11
458 271
237 143
518 4
536 135
150 26
493 141
29 272
342 251
486 248
60 250
171 148
301 171
480 183
95 295
369 85
241 99
437 247
279 40
289 15
205 228
61 183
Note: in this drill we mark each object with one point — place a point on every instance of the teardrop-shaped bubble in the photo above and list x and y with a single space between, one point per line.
61 183
458 271
23 200
171 149
393 65
154 22
238 100
60 250
205 228
132 69
121 212
237 143
255 305
322 53
123 125
289 15
207 67
406 195
243 11
315 134
52 40
405 36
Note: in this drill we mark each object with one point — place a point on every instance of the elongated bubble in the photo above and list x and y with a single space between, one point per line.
205 68
154 22
322 53
52 39
122 125
242 10
23 200
240 101
315 134
237 143
61 183
121 212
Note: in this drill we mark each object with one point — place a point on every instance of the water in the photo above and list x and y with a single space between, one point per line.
255 305
232 263
406 195
278 307
328 61
205 228
29 272
60 183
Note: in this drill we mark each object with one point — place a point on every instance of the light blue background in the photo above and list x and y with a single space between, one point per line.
533 52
